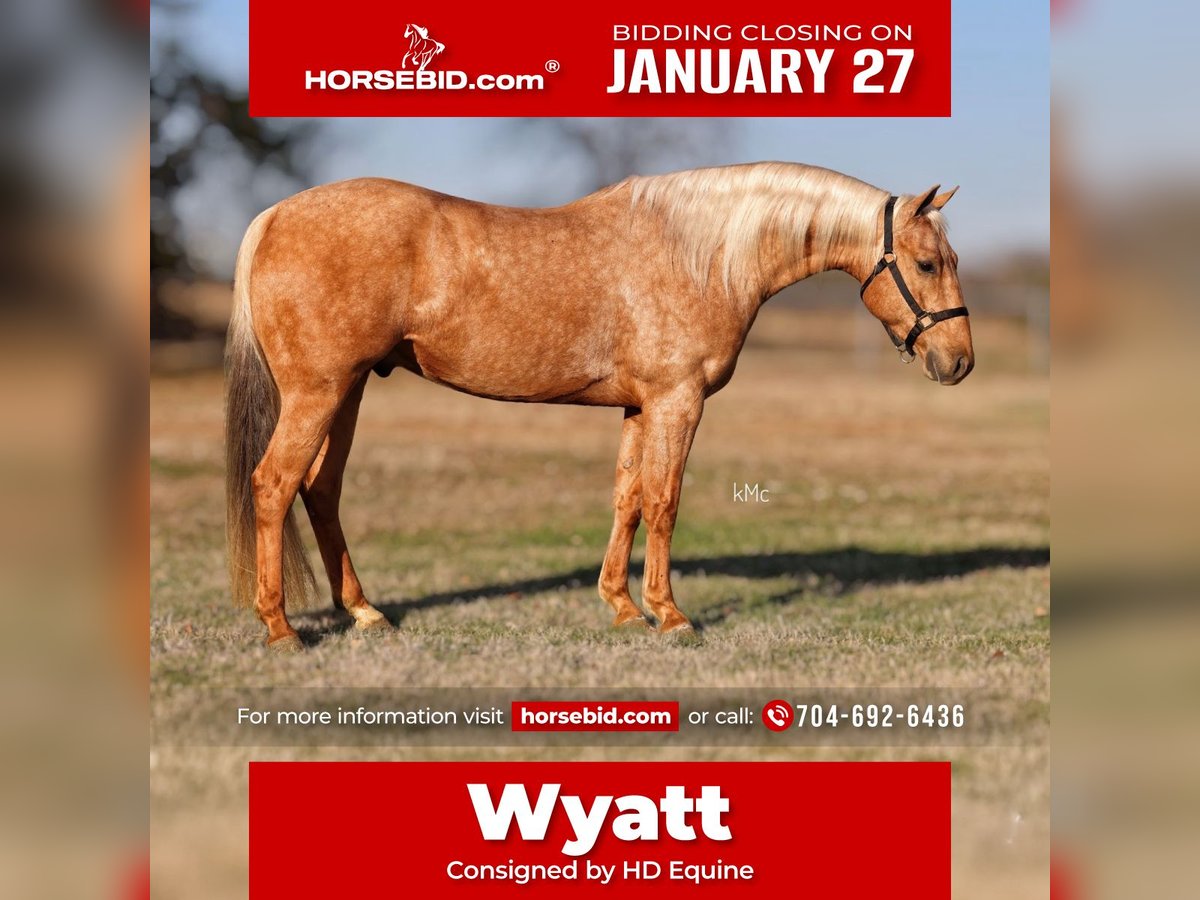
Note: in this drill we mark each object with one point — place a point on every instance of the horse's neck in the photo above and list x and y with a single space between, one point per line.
789 257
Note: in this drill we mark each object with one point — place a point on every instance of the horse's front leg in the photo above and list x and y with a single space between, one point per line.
627 513
670 424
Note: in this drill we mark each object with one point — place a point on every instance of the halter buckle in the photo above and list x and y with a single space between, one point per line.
926 321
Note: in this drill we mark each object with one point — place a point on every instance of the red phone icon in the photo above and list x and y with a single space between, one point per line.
778 715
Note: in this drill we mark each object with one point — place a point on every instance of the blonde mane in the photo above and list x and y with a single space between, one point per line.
721 216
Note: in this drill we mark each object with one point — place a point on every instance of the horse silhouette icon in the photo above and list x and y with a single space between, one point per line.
421 47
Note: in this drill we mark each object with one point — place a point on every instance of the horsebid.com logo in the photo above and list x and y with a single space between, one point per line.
414 74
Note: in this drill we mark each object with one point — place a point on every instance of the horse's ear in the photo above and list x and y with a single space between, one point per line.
943 198
925 205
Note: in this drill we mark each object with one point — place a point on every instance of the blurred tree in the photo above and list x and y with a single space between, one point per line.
612 149
196 119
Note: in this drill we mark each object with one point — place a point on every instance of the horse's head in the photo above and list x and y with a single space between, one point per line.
415 30
930 322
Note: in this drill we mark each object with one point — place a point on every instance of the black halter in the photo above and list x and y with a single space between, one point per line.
925 319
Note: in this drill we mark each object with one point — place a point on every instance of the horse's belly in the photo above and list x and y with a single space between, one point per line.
507 373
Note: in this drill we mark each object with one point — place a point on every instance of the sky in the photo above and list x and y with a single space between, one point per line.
995 145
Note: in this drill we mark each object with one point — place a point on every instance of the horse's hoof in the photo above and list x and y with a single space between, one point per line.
368 618
373 625
632 619
289 643
676 625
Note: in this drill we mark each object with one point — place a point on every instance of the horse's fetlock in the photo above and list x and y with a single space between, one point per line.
610 587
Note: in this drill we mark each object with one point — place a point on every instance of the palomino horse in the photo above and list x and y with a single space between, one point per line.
637 296
421 47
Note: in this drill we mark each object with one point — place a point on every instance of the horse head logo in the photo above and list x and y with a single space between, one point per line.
421 47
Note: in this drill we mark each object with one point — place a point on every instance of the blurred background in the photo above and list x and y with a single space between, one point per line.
73 513
1126 215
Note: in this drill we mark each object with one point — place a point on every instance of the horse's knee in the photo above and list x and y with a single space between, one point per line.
660 511
627 509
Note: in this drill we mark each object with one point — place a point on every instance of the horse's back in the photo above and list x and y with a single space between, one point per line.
359 207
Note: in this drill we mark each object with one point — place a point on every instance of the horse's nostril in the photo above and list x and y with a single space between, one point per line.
961 367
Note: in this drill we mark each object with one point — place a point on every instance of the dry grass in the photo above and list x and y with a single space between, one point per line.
906 543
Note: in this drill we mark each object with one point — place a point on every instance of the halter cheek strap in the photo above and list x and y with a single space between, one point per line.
924 318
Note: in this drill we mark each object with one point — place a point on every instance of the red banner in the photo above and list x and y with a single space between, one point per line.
595 715
555 829
701 58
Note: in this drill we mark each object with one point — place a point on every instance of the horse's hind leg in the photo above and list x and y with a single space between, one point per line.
322 493
627 513
304 420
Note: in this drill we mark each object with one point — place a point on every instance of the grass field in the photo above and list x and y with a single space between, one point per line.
906 543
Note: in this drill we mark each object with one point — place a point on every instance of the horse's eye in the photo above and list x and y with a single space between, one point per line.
927 267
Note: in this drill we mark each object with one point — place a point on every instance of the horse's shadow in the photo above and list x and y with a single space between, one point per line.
835 572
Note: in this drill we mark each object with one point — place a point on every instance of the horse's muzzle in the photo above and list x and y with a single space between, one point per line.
947 369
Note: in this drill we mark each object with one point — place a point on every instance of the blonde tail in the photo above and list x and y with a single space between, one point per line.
251 413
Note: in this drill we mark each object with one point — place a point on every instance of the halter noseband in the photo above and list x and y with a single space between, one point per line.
925 318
